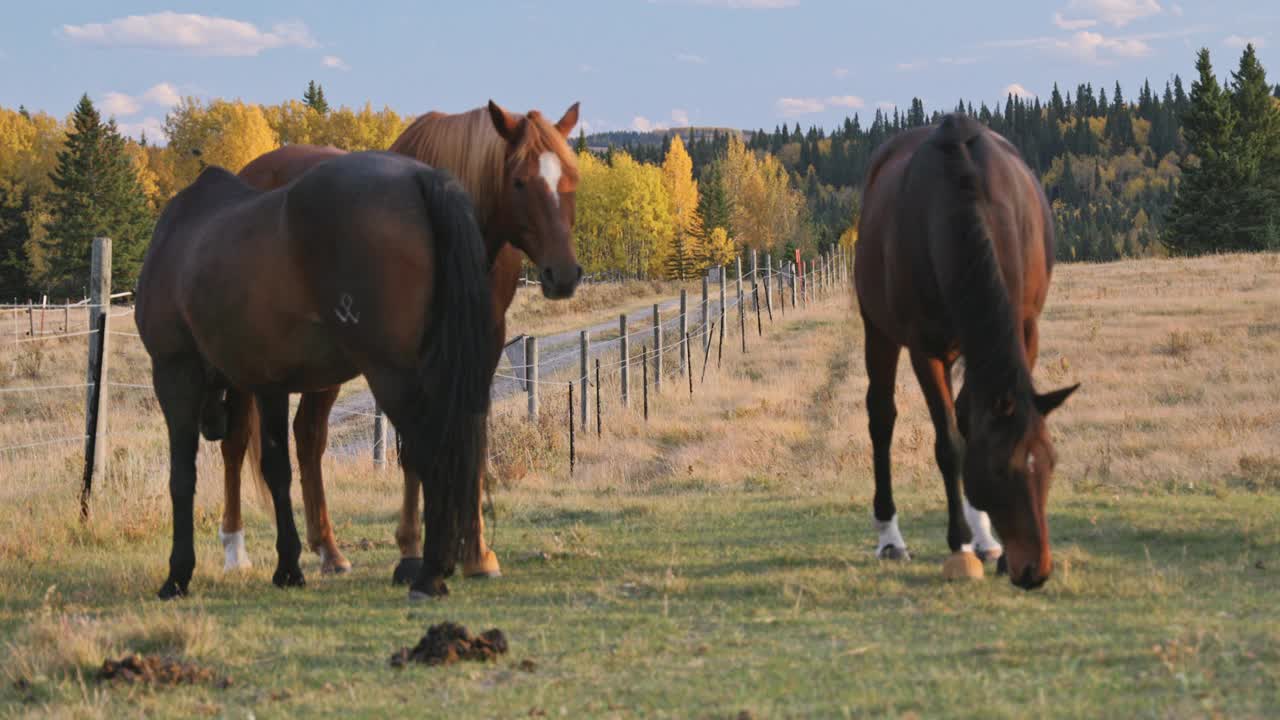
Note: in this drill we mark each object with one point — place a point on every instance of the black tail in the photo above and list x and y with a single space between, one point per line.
975 289
445 438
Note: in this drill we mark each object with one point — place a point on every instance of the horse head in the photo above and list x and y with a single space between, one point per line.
1008 467
538 190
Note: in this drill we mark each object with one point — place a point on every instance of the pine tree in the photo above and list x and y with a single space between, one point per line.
14 234
1202 217
96 194
1257 149
314 98
582 141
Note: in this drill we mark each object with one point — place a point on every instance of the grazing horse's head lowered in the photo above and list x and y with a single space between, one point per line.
538 189
1008 467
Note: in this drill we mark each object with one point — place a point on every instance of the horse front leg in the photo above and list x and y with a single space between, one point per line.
882 355
273 411
408 532
231 533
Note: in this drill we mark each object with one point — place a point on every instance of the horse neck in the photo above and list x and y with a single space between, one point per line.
990 328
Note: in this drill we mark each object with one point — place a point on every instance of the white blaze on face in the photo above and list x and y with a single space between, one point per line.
550 170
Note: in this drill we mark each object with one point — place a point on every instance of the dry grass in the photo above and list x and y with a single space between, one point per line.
531 314
718 555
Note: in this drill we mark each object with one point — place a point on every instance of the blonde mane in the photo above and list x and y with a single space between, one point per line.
467 145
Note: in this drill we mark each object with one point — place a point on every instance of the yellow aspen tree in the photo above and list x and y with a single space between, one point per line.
682 251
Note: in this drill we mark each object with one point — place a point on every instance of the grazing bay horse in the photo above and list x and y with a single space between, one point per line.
368 264
954 255
521 176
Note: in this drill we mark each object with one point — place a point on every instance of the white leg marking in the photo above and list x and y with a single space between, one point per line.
236 557
889 535
549 168
980 524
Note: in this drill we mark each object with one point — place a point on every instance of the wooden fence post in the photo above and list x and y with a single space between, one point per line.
768 276
31 320
599 426
723 278
584 345
689 374
66 316
644 379
379 437
531 374
657 350
97 400
742 308
794 282
684 332
622 342
706 311
572 451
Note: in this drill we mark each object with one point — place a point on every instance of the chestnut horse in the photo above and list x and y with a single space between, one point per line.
368 264
954 256
522 177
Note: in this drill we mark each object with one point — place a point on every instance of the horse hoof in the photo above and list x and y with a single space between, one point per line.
423 590
172 590
288 577
1002 566
484 568
333 563
893 552
987 554
406 570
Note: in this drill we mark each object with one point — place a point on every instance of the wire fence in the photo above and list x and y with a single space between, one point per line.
536 419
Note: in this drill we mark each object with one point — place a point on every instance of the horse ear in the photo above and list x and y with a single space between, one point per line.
1050 401
505 123
565 126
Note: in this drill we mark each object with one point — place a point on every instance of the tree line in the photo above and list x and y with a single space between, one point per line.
1172 172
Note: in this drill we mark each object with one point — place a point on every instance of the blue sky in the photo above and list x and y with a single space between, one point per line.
632 63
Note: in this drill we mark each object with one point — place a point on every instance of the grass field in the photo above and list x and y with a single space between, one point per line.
717 561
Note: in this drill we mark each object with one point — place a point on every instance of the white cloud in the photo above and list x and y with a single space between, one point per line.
791 107
680 116
1017 90
152 126
840 72
162 94
1066 24
691 58
1175 10
643 124
1238 41
1117 13
957 60
585 68
1088 46
846 101
196 34
335 62
119 104
913 65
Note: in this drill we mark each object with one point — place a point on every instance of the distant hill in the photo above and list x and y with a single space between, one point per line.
654 138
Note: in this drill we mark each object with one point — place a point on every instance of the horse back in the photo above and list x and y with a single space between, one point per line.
906 253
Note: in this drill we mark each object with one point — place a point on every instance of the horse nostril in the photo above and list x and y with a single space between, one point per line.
547 277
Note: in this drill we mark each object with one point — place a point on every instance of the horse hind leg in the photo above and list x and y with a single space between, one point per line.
882 356
311 431
240 407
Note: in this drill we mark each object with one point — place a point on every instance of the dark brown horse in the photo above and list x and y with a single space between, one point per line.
954 255
522 177
369 263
